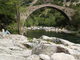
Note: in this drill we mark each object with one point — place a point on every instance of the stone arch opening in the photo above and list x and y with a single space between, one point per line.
61 11
65 11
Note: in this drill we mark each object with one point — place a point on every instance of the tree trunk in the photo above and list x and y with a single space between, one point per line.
18 19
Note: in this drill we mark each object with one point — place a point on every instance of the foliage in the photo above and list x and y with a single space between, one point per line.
41 17
47 17
5 20
12 27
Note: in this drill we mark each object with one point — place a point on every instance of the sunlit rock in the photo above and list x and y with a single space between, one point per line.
33 57
62 56
44 57
44 49
10 57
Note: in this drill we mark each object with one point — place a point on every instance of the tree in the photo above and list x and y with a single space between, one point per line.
6 14
17 4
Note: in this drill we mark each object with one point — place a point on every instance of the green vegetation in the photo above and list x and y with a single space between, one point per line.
10 15
47 17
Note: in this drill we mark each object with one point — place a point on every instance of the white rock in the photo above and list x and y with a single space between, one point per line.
30 44
10 57
6 43
65 42
23 53
62 56
33 57
13 40
4 50
46 37
14 46
44 49
44 57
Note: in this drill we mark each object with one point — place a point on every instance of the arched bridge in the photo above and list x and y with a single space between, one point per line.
64 10
67 12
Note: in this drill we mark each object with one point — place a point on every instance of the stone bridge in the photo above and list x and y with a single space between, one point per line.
67 12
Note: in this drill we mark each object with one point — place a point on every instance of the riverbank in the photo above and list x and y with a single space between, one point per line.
52 29
67 36
18 47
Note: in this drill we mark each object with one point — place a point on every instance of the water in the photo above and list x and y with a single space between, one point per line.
39 33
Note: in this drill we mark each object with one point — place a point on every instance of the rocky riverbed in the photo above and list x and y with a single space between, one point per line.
53 29
18 47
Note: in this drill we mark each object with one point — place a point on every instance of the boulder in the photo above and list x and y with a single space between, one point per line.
62 56
13 40
49 49
46 49
23 53
18 47
12 47
6 43
4 50
46 37
51 39
62 49
10 57
65 42
44 57
33 57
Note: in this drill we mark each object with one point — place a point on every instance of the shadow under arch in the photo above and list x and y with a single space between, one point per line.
54 8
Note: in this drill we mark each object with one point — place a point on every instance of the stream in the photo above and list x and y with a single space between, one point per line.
39 33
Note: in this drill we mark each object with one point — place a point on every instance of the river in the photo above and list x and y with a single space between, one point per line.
39 33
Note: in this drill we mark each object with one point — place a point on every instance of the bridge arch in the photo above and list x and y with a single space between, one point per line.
67 12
